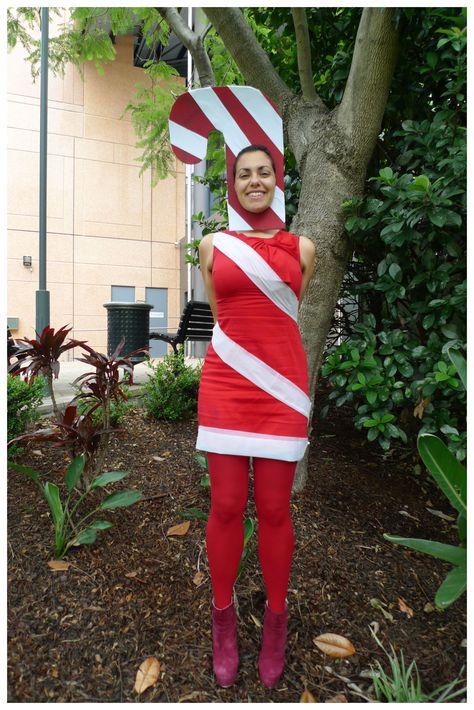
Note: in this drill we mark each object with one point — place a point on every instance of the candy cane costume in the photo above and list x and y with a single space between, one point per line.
253 396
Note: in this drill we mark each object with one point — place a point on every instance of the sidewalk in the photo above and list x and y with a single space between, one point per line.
69 371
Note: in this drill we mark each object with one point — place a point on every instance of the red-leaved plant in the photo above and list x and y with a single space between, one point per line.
41 356
85 440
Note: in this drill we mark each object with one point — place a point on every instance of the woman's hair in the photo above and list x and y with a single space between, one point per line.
254 149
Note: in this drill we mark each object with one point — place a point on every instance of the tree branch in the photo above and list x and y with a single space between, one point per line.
362 107
192 41
303 53
252 60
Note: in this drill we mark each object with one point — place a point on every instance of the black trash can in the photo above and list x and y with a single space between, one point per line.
131 320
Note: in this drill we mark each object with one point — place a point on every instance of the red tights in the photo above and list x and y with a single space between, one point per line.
225 533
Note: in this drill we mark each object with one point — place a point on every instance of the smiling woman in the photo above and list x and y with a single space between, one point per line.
253 403
255 179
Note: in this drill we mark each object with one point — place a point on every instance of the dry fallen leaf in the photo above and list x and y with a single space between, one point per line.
377 604
440 514
58 565
403 606
339 698
421 405
198 577
180 529
306 697
147 674
130 575
334 645
256 621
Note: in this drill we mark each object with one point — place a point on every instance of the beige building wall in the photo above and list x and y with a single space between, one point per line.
106 225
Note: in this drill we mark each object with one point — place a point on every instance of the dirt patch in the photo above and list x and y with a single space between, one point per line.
80 635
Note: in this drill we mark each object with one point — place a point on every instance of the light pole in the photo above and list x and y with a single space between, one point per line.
42 295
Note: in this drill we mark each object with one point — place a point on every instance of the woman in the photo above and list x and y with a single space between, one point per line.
253 403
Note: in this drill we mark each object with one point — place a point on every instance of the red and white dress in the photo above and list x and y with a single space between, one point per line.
253 395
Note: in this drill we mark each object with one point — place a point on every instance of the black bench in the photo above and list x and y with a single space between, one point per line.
196 324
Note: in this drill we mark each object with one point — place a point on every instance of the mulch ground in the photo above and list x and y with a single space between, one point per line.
80 635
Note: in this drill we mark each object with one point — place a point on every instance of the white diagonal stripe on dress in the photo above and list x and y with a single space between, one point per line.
258 271
259 373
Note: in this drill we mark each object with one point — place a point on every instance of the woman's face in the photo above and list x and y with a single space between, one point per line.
255 181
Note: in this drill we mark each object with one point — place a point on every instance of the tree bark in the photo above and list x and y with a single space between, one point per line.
192 41
332 150
252 60
303 52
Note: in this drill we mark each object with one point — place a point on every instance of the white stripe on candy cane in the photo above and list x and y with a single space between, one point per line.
249 443
259 107
212 107
259 373
259 272
238 223
187 140
278 203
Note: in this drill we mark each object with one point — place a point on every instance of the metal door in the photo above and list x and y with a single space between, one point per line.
158 297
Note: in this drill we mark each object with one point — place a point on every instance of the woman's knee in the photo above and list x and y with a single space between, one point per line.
275 513
227 510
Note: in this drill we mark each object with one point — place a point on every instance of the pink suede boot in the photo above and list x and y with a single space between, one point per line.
224 644
271 660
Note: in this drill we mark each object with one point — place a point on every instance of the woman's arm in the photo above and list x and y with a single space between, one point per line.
206 250
307 259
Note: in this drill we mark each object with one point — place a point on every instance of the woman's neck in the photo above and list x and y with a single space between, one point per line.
264 233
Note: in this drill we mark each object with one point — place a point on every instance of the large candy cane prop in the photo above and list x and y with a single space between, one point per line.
245 116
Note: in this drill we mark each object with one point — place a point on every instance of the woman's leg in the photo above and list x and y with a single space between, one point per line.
225 530
272 484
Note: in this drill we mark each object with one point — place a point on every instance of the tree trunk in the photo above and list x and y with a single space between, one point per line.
330 173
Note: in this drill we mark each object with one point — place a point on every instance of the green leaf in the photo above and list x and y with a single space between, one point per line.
448 473
462 527
193 514
249 529
109 477
450 331
428 321
448 553
459 363
120 499
101 525
74 471
25 470
453 586
421 182
371 396
51 492
361 378
395 272
85 537
386 173
201 460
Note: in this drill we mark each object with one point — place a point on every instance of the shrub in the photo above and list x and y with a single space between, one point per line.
117 409
172 388
23 400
